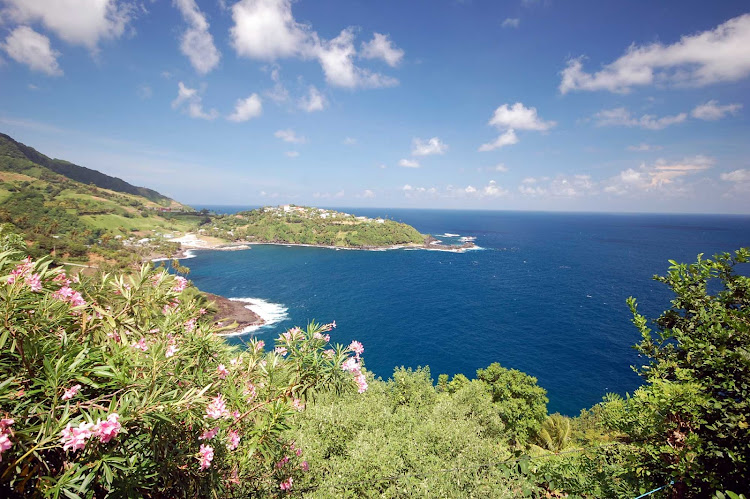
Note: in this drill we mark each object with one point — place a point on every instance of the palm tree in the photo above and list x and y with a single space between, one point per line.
554 434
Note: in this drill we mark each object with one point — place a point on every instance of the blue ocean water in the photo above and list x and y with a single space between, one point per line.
546 294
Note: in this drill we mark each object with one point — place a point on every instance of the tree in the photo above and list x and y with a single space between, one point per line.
691 418
521 403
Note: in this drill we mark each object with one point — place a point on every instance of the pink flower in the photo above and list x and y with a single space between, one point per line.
61 278
69 295
234 440
107 430
180 284
190 325
5 432
207 455
202 311
298 404
75 438
217 408
328 354
304 466
280 351
5 424
236 361
114 335
250 392
34 281
209 434
171 350
236 414
259 346
361 383
350 365
286 484
140 345
222 371
356 347
283 462
71 392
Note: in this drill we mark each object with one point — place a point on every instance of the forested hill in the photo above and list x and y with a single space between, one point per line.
11 151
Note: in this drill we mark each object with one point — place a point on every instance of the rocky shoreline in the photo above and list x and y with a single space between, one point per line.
232 316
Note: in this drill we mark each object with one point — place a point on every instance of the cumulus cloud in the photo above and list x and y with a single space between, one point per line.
511 118
428 147
368 194
519 117
290 136
622 117
408 163
662 174
267 30
511 22
506 139
292 154
736 176
246 109
26 46
500 168
381 47
712 111
313 101
190 102
493 190
717 55
197 43
78 22
336 57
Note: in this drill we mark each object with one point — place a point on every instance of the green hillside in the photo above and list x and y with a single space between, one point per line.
74 212
316 226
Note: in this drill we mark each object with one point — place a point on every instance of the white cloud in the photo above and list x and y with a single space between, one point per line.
197 43
381 47
407 187
663 175
643 147
314 101
368 194
266 30
493 190
278 93
506 139
78 22
26 46
562 186
349 141
190 102
292 154
429 147
336 57
511 22
712 111
718 55
519 117
510 118
500 168
408 163
737 176
246 109
622 117
290 136
470 190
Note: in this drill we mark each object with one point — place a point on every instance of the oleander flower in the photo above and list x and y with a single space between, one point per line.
356 347
233 439
71 392
350 365
75 438
180 284
361 383
206 456
217 409
286 484
280 351
140 345
222 371
209 434
107 430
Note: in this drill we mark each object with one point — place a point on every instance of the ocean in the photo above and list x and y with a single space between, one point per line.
545 294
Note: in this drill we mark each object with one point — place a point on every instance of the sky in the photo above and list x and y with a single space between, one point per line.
617 106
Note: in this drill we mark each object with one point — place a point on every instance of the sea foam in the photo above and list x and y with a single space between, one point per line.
271 313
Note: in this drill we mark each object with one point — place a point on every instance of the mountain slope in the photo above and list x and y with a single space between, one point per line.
9 148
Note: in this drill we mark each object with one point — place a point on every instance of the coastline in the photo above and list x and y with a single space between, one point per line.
233 315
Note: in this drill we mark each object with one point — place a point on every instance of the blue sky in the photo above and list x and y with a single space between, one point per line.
522 104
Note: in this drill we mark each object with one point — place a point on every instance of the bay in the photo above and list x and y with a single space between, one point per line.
545 294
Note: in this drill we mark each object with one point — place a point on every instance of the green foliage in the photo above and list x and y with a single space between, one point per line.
521 403
139 349
690 420
554 435
438 445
